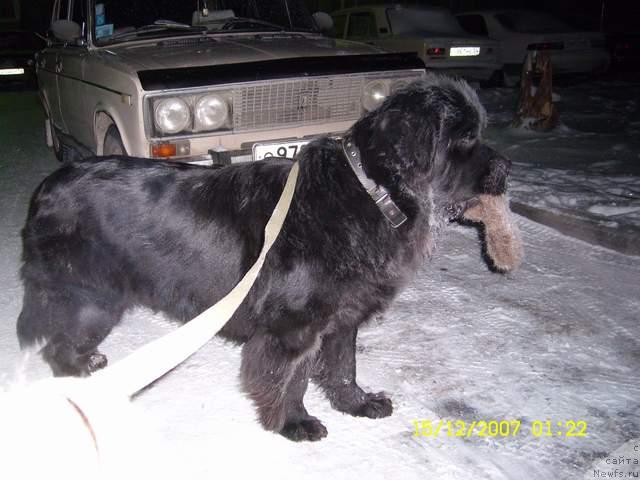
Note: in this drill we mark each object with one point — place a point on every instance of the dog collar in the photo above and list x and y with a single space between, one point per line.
378 193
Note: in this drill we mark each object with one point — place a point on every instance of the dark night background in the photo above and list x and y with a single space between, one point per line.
619 15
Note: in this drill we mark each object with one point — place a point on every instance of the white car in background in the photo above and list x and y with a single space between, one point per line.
432 32
521 31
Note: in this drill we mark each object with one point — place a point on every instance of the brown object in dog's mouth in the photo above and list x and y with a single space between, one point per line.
502 236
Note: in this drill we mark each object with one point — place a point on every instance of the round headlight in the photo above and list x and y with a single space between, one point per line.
374 94
172 115
211 112
398 84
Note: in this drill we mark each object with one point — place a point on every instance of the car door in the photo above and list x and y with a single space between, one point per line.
46 62
70 64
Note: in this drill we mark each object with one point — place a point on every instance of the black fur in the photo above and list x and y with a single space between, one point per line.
106 234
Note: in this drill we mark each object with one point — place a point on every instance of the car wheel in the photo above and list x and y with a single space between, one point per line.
113 142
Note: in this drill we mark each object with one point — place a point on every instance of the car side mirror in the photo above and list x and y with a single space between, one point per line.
323 21
65 30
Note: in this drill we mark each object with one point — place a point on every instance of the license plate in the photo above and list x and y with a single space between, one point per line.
280 149
464 51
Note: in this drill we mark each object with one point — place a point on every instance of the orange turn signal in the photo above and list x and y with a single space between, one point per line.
163 150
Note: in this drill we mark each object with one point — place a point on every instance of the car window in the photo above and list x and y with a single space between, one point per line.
69 10
362 24
78 13
473 24
405 21
61 10
531 22
339 22
125 19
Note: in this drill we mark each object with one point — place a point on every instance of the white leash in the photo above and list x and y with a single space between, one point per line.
75 427
155 359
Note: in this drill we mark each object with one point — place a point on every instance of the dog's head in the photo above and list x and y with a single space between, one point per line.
425 141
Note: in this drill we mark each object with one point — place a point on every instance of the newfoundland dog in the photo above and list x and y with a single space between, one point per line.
106 234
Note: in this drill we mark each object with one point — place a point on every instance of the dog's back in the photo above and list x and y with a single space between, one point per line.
104 235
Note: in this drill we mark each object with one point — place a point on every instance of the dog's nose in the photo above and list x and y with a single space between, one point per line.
501 164
495 183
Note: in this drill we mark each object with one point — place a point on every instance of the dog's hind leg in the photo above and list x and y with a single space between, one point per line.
71 323
275 376
335 372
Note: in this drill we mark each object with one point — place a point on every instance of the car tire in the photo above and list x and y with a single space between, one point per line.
113 142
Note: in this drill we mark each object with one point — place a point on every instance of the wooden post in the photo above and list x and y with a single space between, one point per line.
535 108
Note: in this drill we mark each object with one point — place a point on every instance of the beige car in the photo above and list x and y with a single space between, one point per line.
431 32
181 81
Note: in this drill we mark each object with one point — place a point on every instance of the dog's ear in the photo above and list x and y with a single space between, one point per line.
393 140
501 235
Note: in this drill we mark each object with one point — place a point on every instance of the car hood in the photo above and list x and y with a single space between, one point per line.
220 50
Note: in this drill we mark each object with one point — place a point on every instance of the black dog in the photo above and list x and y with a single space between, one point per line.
106 234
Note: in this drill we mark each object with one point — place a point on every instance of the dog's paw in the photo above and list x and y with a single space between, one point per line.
308 429
376 405
97 361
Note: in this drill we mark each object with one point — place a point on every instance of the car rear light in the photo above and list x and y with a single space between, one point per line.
170 149
436 52
546 46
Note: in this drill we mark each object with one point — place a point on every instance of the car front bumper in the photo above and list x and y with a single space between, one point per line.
239 147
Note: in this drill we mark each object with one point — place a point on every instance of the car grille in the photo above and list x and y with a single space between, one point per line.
297 101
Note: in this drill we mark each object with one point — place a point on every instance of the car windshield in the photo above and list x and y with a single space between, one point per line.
121 20
405 21
532 22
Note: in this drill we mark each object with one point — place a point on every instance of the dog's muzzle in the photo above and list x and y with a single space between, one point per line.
495 182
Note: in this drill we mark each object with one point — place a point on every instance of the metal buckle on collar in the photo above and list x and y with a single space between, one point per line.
390 210
378 193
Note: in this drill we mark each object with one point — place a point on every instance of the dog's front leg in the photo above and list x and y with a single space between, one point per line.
275 373
335 372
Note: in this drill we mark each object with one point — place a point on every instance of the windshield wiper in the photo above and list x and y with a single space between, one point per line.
158 26
241 23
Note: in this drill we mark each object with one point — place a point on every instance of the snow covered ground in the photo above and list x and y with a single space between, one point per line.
557 341
588 167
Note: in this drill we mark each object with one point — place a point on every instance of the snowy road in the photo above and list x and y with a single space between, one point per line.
587 170
557 341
